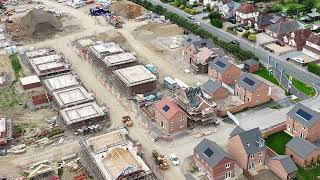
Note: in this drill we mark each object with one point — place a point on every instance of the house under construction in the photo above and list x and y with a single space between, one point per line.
113 156
192 101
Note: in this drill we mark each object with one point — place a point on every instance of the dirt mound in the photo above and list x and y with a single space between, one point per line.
40 22
162 29
127 9
113 36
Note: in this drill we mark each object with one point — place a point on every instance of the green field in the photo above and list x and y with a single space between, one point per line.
277 142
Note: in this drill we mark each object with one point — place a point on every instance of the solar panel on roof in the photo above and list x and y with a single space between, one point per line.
304 114
220 64
189 40
248 81
208 152
166 108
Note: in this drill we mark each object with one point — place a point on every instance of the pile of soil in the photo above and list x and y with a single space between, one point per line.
127 9
112 36
162 30
40 23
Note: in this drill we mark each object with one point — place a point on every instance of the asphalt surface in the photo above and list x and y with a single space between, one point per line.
260 52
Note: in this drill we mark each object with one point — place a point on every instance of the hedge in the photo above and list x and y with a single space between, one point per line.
314 68
183 22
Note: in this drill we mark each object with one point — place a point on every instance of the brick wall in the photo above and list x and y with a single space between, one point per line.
275 129
41 99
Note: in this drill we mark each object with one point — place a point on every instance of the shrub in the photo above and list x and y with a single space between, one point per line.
252 37
182 7
15 63
177 3
314 68
214 15
246 34
216 23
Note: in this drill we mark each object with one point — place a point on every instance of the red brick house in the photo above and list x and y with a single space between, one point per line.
245 12
221 70
312 47
213 160
169 116
251 90
296 38
247 148
302 152
251 65
303 122
283 166
201 59
213 90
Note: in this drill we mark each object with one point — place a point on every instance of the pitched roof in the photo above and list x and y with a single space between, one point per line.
304 115
190 39
247 8
210 86
168 108
203 43
285 27
210 151
315 39
249 82
301 147
204 54
233 5
251 62
252 141
225 1
236 131
220 64
287 163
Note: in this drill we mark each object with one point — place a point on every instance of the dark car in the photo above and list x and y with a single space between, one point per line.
232 20
280 43
235 42
239 29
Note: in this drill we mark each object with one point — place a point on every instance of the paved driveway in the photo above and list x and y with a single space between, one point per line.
263 38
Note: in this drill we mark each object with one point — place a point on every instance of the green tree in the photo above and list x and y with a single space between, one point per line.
252 37
177 3
216 23
314 68
309 4
246 34
214 15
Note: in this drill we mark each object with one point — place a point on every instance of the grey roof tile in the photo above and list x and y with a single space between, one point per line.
285 27
210 86
249 82
301 147
287 163
210 151
252 141
304 115
237 130
252 62
190 39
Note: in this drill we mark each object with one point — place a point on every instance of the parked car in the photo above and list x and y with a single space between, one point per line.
61 1
299 60
232 20
280 43
191 17
239 29
39 7
174 159
197 23
235 42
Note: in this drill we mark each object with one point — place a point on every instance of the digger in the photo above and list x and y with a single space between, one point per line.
160 160
127 121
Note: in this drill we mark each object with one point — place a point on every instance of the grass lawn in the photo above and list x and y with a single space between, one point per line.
308 174
278 141
302 87
264 73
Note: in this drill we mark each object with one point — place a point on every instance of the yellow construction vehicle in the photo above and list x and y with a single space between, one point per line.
127 121
160 160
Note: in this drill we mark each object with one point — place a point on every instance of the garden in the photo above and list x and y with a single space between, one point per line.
277 142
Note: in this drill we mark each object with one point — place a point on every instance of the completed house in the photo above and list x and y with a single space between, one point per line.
213 160
223 71
296 38
247 148
302 152
169 116
265 20
251 90
283 166
312 47
303 122
213 90
245 12
276 30
227 8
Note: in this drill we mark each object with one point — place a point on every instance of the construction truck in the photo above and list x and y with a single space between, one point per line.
115 21
160 160
127 121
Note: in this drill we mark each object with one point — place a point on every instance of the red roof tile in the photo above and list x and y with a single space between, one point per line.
247 8
170 105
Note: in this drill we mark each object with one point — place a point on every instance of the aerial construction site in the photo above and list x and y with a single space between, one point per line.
108 90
